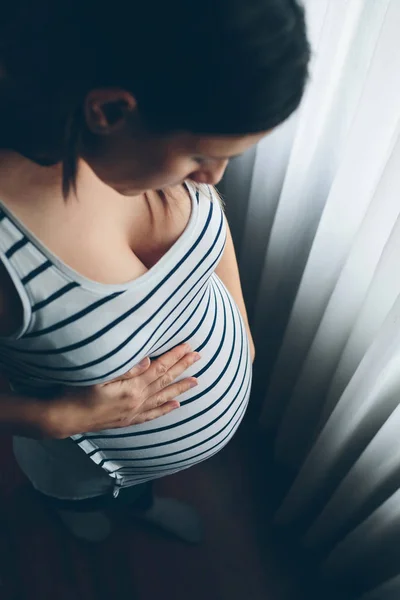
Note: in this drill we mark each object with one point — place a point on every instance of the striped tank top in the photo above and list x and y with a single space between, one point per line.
77 332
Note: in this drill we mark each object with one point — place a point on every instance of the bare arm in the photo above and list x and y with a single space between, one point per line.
228 271
145 393
19 415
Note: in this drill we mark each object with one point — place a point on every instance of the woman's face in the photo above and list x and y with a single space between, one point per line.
125 155
134 164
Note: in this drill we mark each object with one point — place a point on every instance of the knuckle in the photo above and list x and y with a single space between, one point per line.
126 398
126 392
159 401
165 380
178 350
130 396
187 354
161 369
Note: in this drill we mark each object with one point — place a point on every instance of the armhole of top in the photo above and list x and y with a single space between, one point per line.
23 296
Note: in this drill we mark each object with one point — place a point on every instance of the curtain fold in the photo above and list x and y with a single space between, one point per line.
315 213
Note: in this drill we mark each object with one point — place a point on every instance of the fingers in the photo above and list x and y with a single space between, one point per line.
165 402
173 373
169 393
162 365
155 376
138 369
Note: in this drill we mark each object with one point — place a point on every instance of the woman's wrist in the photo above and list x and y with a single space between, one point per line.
21 415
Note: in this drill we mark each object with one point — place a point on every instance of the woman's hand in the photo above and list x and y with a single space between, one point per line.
145 393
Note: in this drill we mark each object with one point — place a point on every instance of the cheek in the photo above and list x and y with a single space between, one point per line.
148 167
175 170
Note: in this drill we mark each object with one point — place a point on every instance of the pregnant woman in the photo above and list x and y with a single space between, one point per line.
124 337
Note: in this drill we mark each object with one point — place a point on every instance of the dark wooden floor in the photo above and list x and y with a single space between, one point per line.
40 561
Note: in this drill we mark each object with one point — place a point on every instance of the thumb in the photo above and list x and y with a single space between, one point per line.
138 369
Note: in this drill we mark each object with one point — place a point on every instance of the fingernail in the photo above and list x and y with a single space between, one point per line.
194 383
196 357
143 362
187 347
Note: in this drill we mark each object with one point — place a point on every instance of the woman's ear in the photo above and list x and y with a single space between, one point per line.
106 110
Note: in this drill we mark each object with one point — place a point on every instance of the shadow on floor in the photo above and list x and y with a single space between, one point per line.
240 557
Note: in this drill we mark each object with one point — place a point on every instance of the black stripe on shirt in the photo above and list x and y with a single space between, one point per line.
192 399
17 246
151 468
63 323
104 330
87 380
176 332
57 381
195 459
122 317
35 272
169 442
131 358
120 366
54 296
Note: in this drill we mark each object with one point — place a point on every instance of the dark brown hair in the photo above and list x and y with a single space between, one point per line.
218 67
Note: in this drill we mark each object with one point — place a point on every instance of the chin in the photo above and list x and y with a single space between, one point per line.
130 193
127 190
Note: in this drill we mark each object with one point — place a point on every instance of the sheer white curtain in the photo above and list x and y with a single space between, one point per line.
319 249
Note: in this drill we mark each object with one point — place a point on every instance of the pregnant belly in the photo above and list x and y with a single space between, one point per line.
209 414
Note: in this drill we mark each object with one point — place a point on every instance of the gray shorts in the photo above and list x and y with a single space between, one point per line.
59 468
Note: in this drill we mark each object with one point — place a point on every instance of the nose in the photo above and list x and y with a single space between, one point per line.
211 174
